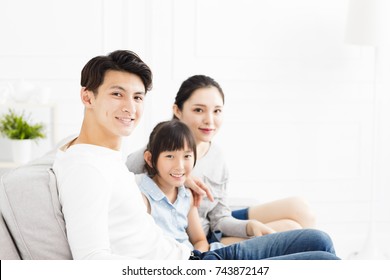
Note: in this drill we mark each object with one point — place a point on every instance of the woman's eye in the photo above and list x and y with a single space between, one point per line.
117 94
198 110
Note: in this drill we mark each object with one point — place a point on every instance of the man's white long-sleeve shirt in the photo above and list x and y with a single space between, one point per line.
104 212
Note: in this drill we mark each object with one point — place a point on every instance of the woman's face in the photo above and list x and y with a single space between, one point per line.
202 113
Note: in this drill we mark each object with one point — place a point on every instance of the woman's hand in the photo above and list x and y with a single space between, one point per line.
256 228
199 190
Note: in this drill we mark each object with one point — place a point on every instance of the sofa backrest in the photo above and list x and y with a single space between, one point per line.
32 211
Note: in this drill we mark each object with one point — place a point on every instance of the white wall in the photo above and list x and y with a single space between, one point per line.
299 100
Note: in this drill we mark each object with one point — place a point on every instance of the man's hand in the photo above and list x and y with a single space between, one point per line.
256 228
199 190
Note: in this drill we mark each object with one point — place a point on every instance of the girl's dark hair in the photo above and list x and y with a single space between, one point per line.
92 75
168 136
193 83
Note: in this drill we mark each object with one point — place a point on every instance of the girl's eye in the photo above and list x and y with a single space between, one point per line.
188 156
218 111
169 156
117 94
198 110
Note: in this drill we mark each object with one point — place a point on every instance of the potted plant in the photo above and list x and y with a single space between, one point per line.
17 128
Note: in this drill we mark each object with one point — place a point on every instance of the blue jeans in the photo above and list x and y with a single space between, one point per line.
301 244
241 214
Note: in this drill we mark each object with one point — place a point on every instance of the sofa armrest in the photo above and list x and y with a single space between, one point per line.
32 212
8 250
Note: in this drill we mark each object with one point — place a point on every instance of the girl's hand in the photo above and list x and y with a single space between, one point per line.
256 228
199 190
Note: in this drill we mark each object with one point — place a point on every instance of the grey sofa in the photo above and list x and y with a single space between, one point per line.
31 224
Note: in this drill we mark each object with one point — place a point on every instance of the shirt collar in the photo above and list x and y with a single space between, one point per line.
149 186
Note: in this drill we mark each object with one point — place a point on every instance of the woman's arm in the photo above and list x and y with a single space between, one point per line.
198 189
195 231
256 228
135 163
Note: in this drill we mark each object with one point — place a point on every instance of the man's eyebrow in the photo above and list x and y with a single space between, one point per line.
117 87
123 89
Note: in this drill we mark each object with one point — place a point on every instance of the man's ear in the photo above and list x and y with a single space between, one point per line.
86 96
148 158
176 111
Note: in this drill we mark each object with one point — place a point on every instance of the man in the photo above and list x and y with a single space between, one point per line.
103 209
104 212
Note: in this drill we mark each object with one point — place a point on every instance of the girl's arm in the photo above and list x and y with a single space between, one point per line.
147 203
195 230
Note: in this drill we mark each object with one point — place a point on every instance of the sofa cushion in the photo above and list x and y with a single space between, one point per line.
32 212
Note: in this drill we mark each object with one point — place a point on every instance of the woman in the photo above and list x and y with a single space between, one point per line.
199 104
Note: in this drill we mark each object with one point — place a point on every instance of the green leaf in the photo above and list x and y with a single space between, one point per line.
15 126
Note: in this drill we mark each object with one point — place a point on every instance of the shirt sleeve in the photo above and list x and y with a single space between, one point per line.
85 195
218 212
221 219
135 161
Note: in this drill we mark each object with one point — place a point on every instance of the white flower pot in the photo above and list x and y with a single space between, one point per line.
21 150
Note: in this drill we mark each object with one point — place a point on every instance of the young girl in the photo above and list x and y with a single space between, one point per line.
169 159
199 104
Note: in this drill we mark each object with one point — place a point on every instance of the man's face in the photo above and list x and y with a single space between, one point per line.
119 103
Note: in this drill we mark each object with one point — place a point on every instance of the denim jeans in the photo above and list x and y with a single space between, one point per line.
241 214
302 244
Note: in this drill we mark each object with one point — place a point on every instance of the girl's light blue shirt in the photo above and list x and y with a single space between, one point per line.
172 218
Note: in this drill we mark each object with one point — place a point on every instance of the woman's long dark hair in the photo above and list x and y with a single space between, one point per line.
193 83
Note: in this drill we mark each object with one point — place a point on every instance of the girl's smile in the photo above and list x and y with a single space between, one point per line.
173 168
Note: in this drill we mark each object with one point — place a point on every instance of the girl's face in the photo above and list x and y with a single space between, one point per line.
202 113
174 167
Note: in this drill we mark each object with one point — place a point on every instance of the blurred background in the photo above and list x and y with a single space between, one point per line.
307 107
